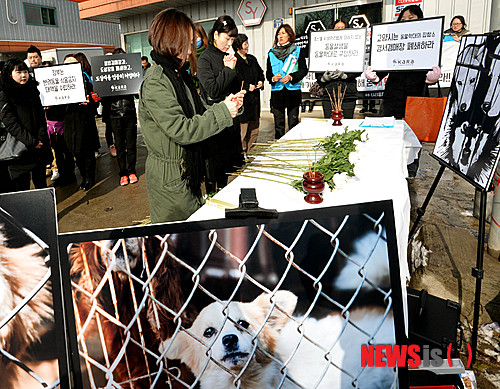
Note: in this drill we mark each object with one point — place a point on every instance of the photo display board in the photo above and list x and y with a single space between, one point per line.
60 84
32 341
166 305
337 50
117 74
469 137
410 45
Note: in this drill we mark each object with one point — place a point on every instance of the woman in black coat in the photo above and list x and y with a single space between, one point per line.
218 80
251 76
22 114
80 133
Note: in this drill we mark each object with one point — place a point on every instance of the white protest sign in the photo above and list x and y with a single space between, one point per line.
410 45
60 84
342 49
449 55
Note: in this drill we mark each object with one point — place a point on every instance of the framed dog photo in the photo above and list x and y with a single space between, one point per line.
32 342
468 141
249 303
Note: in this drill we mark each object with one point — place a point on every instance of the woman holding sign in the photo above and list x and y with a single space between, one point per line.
286 67
175 122
400 85
334 79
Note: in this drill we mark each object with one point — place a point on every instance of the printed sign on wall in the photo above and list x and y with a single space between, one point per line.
411 45
337 49
119 74
60 84
401 4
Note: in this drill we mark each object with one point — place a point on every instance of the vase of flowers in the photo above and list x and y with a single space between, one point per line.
313 184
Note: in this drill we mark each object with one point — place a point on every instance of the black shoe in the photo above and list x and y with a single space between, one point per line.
82 186
89 184
373 110
363 110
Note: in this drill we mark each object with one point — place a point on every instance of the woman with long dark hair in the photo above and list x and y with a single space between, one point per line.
286 67
218 79
175 121
80 130
22 114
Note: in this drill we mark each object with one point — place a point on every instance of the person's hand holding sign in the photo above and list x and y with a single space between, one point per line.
260 84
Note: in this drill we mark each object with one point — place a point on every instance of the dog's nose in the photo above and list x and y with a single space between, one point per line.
230 341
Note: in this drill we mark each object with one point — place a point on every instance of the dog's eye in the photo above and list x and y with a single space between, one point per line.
209 332
243 324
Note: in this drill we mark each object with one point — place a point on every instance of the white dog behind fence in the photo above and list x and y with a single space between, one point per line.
257 345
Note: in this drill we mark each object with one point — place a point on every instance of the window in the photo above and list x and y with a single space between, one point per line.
39 15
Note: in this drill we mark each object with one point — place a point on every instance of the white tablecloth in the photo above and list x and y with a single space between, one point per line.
381 175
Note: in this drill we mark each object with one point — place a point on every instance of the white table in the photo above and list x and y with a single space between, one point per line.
381 175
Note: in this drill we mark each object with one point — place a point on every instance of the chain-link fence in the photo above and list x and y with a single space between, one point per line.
167 311
26 309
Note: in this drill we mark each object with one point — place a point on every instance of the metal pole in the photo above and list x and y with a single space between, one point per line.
478 273
421 210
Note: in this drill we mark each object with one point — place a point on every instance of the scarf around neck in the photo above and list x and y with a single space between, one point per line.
194 163
284 51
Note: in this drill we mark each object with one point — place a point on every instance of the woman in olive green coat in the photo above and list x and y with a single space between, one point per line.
175 122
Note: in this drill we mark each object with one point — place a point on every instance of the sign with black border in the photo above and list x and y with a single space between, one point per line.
342 49
407 46
60 84
117 74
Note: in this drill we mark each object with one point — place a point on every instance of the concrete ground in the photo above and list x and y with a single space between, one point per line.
443 253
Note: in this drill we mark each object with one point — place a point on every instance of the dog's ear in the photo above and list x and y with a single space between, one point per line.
176 349
285 300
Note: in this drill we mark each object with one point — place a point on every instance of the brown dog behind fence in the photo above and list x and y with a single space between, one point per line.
110 283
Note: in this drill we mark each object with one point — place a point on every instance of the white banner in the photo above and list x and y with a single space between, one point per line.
60 84
337 50
410 45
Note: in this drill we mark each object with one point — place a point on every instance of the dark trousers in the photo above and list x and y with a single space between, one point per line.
22 178
85 161
7 185
109 134
125 132
64 159
279 120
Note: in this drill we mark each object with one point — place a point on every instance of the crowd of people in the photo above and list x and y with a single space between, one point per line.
199 109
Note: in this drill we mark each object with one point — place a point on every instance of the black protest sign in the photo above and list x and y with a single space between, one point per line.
119 74
60 84
409 45
337 50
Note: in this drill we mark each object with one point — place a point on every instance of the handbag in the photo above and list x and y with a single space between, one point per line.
424 115
316 90
10 147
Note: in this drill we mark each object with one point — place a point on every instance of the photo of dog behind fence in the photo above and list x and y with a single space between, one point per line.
286 304
28 354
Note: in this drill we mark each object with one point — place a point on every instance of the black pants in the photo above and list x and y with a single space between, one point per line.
22 177
85 161
64 159
279 120
125 132
109 134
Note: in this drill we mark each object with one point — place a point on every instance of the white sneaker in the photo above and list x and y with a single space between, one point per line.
55 175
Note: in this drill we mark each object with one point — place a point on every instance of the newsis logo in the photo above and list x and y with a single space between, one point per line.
395 355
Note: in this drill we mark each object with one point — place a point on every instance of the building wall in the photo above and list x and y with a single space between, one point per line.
476 12
70 29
